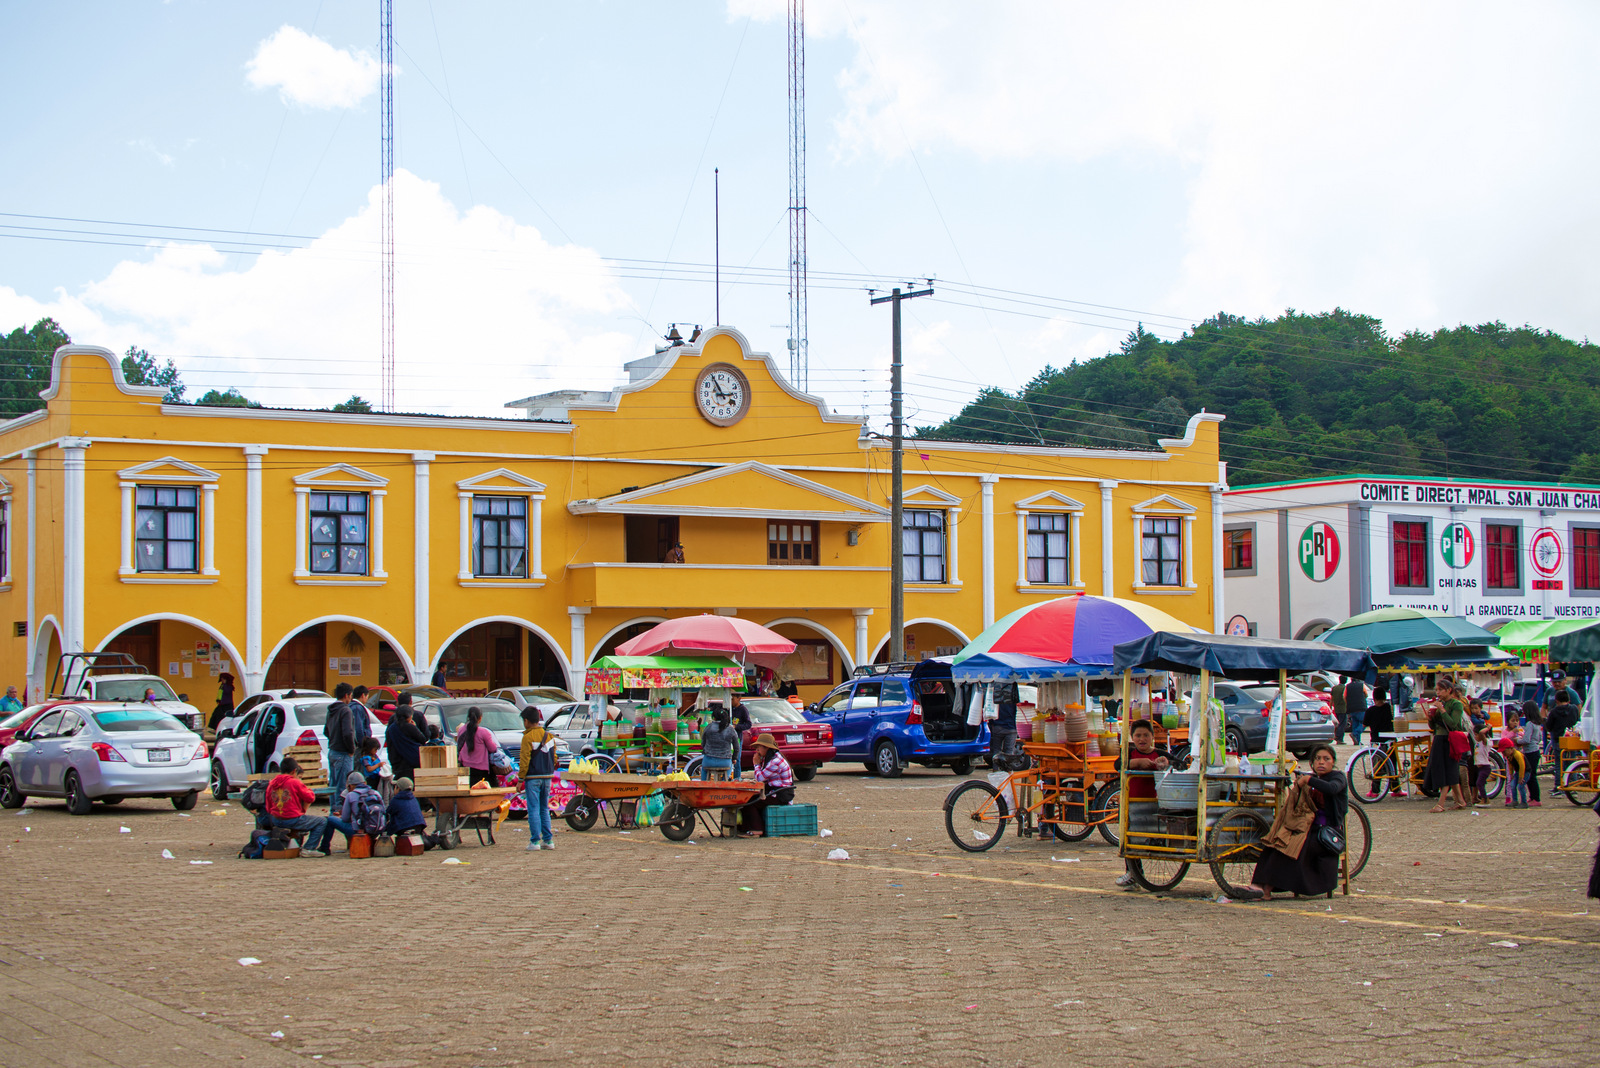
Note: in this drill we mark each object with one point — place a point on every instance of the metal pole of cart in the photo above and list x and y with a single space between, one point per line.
1203 696
1122 764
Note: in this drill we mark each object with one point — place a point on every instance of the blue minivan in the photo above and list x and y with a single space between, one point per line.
891 715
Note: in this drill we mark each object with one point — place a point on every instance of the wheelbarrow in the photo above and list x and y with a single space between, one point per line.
455 809
690 800
611 796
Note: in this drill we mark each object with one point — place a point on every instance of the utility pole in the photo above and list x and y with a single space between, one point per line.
716 233
799 360
386 172
897 551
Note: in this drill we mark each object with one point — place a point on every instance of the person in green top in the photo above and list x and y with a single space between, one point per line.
1444 767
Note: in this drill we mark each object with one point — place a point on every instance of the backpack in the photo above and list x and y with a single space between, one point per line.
254 798
256 846
370 813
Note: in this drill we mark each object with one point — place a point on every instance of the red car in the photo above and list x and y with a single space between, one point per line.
17 722
804 744
382 699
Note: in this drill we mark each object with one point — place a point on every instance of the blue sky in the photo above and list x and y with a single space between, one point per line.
1151 163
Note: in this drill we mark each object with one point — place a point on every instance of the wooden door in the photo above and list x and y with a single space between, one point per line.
505 669
302 662
142 642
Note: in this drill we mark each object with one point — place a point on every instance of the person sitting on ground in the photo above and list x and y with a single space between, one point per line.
403 738
287 798
1143 755
369 763
1301 865
363 810
719 746
404 813
776 777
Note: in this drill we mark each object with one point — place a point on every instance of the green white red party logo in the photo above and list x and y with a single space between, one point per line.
1456 544
1319 552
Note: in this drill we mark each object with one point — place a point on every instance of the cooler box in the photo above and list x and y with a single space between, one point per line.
783 820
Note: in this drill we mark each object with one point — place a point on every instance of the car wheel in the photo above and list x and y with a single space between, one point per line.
806 773
10 796
962 766
111 800
219 781
1235 740
886 761
184 802
78 802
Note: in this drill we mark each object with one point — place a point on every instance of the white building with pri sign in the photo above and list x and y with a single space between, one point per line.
1299 557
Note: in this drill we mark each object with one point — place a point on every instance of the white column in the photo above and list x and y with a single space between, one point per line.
420 590
254 670
128 512
579 657
1107 555
302 521
73 468
208 492
1218 619
863 650
1074 531
952 546
986 486
376 534
35 685
1138 550
1022 547
1188 552
464 571
536 538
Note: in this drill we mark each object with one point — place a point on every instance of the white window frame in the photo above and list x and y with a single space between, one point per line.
1057 504
169 470
934 499
339 478
6 493
1164 506
494 484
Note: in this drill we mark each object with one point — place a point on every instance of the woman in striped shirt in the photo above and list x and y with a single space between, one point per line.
777 780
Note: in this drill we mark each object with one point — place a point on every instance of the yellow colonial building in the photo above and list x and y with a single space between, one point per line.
304 548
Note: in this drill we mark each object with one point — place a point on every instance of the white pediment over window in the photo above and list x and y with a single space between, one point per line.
167 469
1050 499
343 476
5 486
1163 503
926 494
501 478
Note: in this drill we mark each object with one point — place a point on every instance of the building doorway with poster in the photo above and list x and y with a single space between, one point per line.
302 663
499 654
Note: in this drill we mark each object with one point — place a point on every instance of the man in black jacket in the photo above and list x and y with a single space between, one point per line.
340 732
404 739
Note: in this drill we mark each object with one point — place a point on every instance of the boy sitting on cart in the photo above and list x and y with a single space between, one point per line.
1143 755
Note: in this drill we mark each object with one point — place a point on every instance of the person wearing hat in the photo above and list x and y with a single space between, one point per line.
777 784
404 813
674 554
363 810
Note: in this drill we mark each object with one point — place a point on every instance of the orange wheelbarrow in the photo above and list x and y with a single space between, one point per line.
687 801
611 796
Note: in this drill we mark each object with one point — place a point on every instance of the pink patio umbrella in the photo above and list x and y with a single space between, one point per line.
740 639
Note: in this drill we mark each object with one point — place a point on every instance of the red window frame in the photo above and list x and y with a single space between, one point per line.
1240 548
1502 556
1586 558
1410 555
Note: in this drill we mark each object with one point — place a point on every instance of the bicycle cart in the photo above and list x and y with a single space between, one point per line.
1064 794
608 796
1578 770
1210 817
690 800
1399 765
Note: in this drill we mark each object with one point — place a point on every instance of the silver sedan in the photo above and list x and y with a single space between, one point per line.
104 751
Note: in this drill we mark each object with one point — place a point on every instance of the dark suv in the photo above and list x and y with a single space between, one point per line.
891 715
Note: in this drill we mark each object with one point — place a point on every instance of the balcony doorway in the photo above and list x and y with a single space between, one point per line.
650 537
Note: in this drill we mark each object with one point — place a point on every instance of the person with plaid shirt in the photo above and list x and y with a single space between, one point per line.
777 781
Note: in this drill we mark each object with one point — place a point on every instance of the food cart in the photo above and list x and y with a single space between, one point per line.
655 733
1210 816
1578 767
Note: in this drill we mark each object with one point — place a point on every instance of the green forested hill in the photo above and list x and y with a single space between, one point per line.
1308 395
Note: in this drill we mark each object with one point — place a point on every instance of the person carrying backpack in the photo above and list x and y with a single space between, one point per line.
538 765
363 811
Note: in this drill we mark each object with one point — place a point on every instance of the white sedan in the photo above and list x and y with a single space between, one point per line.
255 745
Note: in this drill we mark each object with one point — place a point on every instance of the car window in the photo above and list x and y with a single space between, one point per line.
46 727
245 724
71 724
583 720
314 714
17 719
498 716
894 693
772 712
248 703
866 695
561 721
131 720
836 701
132 690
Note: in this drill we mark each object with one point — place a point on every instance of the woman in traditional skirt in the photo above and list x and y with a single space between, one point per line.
1444 767
1315 870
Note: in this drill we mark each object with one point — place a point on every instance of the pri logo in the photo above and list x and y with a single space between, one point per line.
1456 544
1319 552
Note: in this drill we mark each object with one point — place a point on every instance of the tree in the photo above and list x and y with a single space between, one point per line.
139 368
354 404
1585 470
232 398
25 360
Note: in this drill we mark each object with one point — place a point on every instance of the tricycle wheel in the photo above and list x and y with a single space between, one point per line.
1235 847
805 773
1072 832
1575 783
677 821
607 764
1158 874
581 813
1104 810
1357 840
975 816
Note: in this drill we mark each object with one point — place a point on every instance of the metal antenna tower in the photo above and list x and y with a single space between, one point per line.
386 237
799 368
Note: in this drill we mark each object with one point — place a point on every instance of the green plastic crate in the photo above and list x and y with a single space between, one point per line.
785 820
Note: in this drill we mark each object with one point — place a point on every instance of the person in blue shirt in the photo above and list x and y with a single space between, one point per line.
9 702
405 814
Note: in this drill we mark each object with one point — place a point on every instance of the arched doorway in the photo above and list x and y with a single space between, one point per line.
924 638
184 651
495 653
819 663
46 654
326 652
629 630
1313 628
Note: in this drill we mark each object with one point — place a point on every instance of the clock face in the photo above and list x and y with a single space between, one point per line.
722 394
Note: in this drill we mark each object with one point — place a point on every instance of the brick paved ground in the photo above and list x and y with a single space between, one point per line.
627 948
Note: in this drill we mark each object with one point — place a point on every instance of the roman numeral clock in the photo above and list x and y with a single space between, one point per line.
722 393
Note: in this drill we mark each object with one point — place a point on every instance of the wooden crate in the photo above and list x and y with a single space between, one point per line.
437 756
451 777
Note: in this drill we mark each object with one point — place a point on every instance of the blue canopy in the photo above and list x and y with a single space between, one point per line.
1019 667
1236 657
1445 658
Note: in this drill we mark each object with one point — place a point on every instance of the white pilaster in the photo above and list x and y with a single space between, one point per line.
1188 552
986 486
1074 533
74 466
302 523
375 534
1107 551
464 571
1218 617
579 657
255 671
423 656
536 537
35 685
1138 551
208 564
1022 547
952 546
863 649
128 511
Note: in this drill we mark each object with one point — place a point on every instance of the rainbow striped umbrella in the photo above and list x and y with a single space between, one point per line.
1066 637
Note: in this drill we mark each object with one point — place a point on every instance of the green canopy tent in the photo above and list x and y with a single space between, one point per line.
1579 643
1530 639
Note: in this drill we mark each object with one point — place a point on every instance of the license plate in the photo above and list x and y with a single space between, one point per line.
795 739
157 756
1297 716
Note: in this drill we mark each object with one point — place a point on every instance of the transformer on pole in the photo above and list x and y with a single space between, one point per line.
386 167
799 370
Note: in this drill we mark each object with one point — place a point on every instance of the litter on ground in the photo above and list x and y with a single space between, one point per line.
838 854
247 961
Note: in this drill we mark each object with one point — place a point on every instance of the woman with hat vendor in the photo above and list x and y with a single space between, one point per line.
772 771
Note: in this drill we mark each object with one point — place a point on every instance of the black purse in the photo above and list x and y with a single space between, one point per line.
1329 840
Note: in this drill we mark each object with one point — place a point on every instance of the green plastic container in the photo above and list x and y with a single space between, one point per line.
785 820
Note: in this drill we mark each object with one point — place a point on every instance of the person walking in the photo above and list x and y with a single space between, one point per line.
224 705
1340 722
1532 748
1355 708
537 766
404 739
341 742
1446 748
438 677
475 745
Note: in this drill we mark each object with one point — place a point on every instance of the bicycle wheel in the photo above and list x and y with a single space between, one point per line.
975 816
1104 811
1357 840
1371 773
1577 784
1235 846
1158 874
1497 776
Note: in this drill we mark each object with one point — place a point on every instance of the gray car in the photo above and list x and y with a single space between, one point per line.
104 752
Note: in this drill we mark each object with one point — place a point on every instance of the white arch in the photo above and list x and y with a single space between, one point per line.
876 649
37 673
400 650
1313 628
833 639
155 669
544 635
594 650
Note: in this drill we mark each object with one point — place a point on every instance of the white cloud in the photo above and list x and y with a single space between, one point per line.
487 311
309 71
145 145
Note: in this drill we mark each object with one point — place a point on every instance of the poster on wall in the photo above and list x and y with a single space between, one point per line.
811 664
202 650
349 666
188 669
172 667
